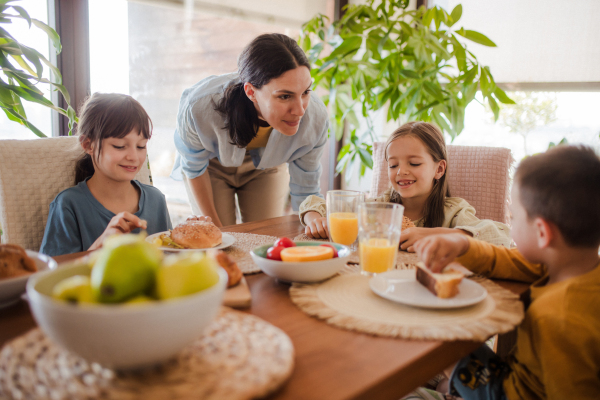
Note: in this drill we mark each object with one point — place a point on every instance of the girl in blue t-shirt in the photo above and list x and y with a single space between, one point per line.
113 130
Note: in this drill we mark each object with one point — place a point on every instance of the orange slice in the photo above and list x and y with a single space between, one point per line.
306 253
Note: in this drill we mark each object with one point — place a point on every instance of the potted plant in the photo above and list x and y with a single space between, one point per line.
22 69
412 62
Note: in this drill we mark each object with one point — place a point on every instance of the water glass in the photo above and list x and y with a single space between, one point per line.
379 236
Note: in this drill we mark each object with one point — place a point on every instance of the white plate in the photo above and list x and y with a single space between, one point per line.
401 286
227 240
12 288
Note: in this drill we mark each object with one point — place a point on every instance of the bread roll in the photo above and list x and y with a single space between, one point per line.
196 234
14 261
234 272
444 285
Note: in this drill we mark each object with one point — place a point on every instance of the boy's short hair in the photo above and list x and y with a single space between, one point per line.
562 186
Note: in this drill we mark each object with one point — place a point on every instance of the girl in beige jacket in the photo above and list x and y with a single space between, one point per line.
417 165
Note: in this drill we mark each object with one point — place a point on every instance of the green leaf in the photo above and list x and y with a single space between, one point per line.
456 14
476 37
52 35
428 17
24 121
349 45
425 108
502 97
23 14
434 90
494 107
484 82
365 157
410 74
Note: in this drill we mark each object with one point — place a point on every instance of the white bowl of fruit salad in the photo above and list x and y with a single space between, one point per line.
128 307
304 262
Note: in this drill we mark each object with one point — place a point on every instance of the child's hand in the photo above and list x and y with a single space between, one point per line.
437 251
410 236
316 226
123 222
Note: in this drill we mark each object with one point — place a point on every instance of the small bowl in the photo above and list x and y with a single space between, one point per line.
122 336
305 272
11 289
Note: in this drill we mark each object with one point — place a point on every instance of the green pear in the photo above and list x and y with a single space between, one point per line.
74 289
126 267
139 300
185 274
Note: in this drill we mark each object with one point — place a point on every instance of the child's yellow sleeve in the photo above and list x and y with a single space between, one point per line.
499 262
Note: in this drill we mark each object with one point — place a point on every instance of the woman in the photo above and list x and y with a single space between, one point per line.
235 133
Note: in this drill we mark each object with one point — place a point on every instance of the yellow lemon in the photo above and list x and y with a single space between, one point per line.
306 253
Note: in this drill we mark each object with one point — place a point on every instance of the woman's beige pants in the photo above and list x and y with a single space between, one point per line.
261 194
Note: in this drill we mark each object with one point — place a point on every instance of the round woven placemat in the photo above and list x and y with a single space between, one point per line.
239 357
240 250
404 260
347 302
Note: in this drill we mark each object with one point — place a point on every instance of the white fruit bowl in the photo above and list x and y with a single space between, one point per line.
122 336
306 272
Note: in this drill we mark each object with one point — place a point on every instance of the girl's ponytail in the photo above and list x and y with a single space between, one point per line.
84 168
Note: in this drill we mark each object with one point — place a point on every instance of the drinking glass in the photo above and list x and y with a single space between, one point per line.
379 236
342 219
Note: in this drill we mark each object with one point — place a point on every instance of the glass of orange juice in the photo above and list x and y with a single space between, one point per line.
379 236
342 215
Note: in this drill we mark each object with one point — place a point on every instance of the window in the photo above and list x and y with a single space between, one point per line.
38 115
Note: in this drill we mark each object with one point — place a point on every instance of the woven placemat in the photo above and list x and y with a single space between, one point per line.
404 260
239 357
240 250
346 301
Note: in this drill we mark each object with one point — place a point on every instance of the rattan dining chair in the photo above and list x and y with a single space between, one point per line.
480 175
32 173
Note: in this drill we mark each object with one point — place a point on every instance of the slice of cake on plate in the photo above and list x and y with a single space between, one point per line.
443 284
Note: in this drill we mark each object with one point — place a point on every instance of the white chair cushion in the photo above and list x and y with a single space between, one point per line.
32 173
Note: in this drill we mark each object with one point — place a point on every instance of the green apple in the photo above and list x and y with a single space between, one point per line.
74 289
185 274
126 267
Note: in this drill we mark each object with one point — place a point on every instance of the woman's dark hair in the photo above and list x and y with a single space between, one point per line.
267 57
106 115
433 139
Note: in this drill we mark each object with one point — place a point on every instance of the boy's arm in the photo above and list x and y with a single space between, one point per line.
437 251
499 262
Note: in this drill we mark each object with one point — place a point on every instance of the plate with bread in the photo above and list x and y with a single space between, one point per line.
192 235
422 288
16 266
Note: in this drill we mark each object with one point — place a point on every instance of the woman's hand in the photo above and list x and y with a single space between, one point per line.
316 226
437 251
121 223
410 236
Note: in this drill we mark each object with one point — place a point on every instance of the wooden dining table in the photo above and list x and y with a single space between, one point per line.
330 363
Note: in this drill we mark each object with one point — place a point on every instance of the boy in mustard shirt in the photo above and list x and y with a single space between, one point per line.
556 226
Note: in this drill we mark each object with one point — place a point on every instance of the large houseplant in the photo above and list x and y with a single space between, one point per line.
22 69
413 62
